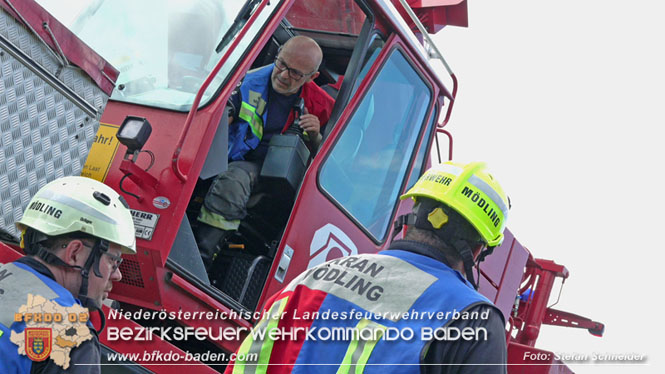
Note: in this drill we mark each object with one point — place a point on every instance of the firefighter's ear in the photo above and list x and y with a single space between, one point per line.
313 76
75 253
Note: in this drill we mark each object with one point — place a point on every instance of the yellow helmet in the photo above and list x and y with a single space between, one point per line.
471 191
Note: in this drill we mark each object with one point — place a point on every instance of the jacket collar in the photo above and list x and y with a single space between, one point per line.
419 248
36 265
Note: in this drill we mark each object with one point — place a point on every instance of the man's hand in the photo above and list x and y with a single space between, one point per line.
310 123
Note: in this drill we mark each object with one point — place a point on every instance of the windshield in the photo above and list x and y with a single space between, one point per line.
164 50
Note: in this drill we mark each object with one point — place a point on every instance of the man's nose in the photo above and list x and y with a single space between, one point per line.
284 74
116 276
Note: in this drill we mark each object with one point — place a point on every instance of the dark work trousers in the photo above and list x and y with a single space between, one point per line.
227 197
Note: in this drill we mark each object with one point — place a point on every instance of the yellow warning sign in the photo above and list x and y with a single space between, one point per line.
101 153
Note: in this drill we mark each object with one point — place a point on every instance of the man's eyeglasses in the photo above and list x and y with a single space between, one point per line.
293 73
117 260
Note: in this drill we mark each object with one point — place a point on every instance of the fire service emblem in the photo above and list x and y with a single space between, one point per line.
37 343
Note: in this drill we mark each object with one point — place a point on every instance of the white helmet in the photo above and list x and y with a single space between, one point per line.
80 204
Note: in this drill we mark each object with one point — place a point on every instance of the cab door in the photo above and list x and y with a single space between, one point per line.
376 149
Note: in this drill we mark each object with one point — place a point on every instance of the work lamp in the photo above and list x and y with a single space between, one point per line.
134 133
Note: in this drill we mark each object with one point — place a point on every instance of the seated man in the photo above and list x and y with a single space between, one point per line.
261 107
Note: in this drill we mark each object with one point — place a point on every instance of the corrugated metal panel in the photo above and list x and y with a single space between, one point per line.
49 116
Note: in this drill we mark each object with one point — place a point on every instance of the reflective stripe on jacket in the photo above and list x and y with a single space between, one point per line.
373 310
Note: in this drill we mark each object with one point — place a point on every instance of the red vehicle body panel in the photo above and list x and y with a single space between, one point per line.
317 16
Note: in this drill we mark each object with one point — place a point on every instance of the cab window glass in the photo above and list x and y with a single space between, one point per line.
373 52
163 49
367 167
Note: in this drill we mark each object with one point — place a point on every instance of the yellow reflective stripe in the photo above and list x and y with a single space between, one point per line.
262 348
238 365
360 349
214 219
248 114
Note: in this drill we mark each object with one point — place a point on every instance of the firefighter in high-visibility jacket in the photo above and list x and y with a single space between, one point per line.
74 231
412 308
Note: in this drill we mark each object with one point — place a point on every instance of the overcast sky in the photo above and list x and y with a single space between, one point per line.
564 100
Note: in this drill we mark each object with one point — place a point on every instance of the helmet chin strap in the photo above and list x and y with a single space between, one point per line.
101 246
467 259
467 256
92 262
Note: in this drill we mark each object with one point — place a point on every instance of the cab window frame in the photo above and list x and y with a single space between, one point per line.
389 49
